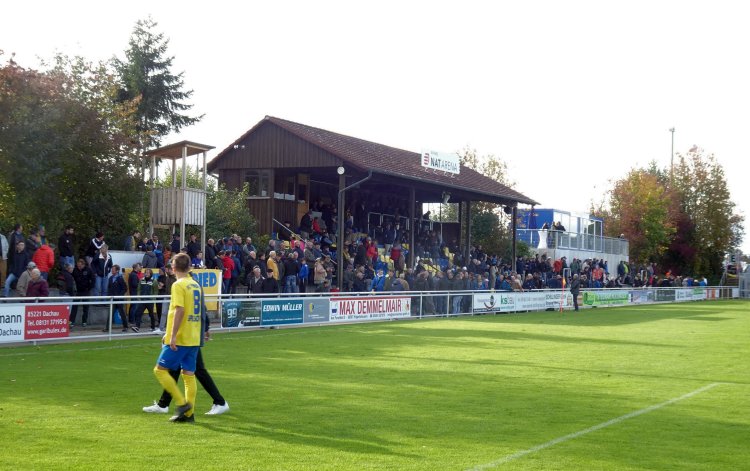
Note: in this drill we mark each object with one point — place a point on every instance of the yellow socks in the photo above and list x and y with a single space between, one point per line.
191 390
170 385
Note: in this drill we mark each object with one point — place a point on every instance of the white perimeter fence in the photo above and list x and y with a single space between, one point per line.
25 321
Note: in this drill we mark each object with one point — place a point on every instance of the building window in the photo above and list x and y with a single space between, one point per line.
284 187
257 182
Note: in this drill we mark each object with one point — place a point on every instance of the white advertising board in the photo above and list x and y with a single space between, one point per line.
443 161
12 323
494 301
365 308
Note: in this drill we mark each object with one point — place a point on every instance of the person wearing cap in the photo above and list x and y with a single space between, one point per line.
18 266
25 279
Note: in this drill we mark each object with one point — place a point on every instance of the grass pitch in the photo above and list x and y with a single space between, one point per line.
488 392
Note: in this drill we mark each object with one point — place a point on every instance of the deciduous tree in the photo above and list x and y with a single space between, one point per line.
489 222
639 210
703 195
66 148
226 210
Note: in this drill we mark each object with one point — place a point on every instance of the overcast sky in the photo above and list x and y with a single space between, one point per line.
570 94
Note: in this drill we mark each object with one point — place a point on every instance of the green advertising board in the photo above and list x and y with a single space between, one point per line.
605 298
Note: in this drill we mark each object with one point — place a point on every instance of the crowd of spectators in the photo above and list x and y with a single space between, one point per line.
302 258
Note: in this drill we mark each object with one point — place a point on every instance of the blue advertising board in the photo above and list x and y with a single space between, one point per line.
281 312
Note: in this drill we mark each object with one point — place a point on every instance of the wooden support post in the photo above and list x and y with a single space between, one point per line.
182 194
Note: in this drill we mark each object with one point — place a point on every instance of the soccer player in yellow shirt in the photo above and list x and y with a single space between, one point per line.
182 339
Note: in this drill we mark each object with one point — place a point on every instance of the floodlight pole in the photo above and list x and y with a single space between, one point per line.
671 159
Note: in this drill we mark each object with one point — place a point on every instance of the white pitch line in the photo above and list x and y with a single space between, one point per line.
571 436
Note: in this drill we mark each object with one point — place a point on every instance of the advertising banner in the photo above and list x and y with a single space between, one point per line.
447 162
370 308
47 322
316 311
230 313
12 323
699 294
487 302
553 298
532 301
210 280
249 313
281 312
240 313
640 296
712 293
683 294
606 298
662 295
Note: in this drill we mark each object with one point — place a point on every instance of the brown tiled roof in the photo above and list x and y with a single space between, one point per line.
388 160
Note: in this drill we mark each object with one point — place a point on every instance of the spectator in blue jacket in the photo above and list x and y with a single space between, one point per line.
378 281
116 287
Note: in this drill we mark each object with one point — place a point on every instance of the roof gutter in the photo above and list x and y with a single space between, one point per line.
524 200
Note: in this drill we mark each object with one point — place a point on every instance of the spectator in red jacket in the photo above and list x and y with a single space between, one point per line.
228 263
44 258
557 266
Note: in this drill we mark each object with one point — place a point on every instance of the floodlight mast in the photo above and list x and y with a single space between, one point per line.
671 159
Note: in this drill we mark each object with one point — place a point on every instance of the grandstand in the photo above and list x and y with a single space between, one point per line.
580 235
291 168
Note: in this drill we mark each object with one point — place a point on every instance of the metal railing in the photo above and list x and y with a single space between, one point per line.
550 239
46 319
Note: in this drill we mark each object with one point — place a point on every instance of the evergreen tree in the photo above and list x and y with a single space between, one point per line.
148 82
146 77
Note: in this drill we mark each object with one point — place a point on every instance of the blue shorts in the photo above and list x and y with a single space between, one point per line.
184 358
